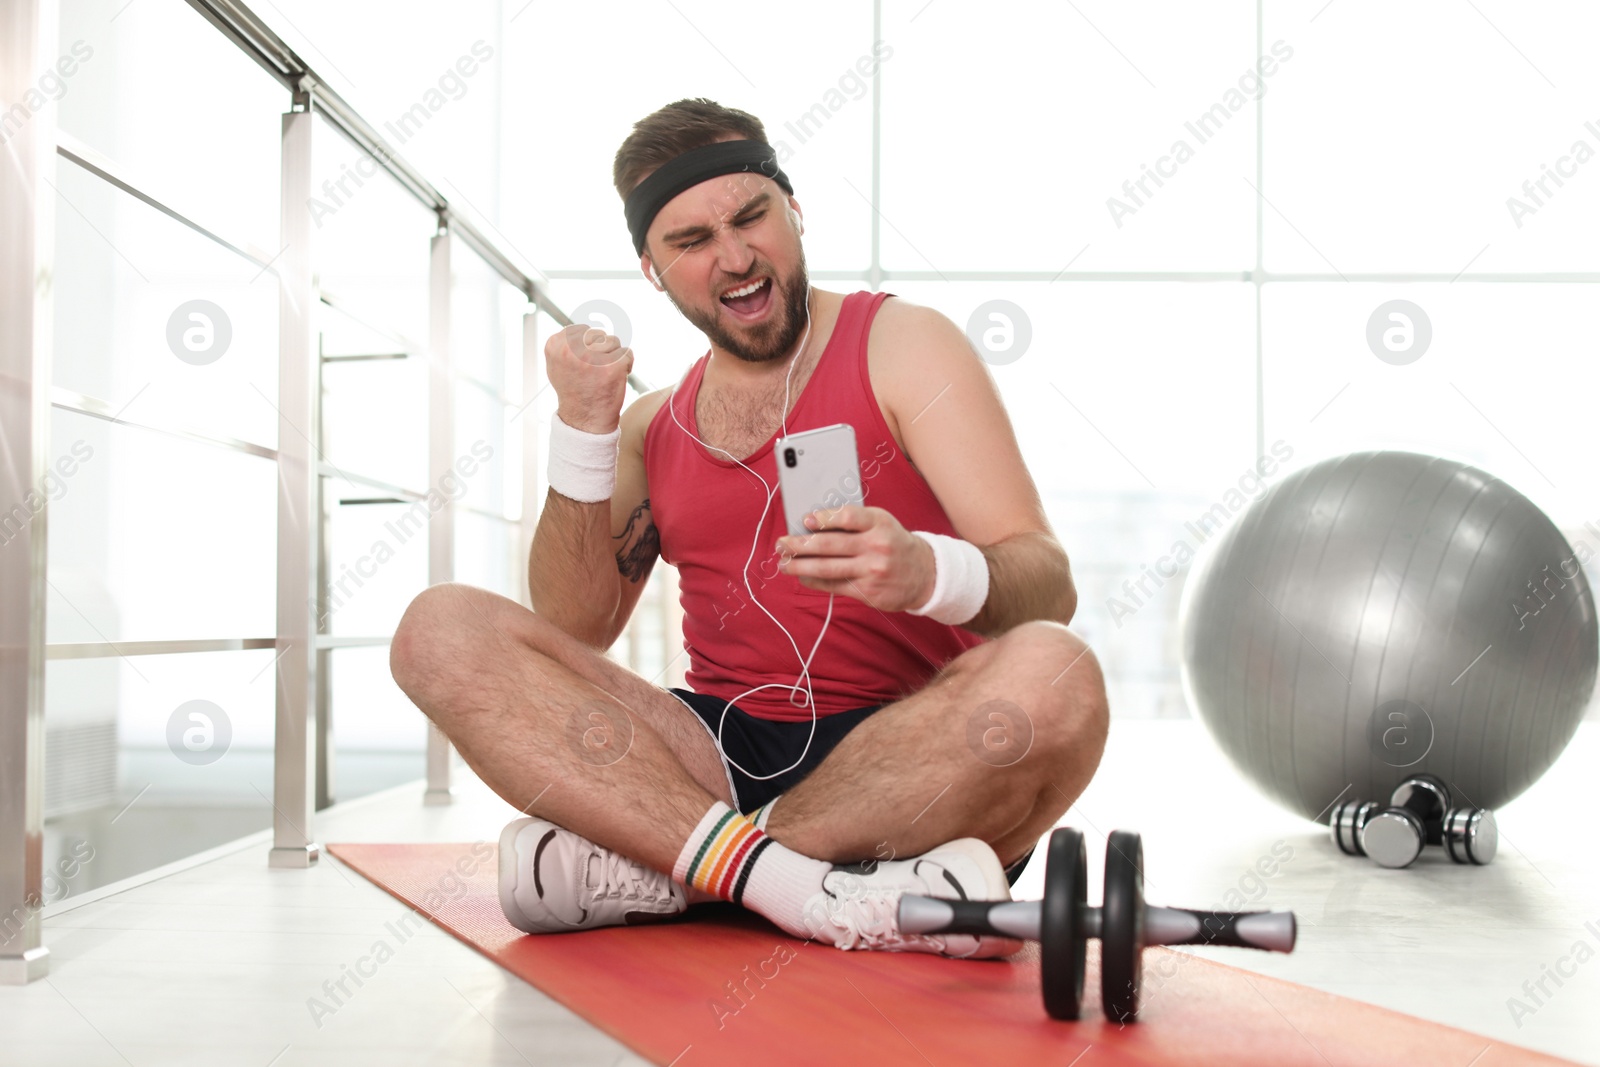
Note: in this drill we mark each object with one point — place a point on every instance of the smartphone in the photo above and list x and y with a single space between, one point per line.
818 469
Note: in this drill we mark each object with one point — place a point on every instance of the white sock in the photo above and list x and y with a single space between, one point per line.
764 812
759 817
727 857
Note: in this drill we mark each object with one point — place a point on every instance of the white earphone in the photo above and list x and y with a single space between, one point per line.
655 279
805 664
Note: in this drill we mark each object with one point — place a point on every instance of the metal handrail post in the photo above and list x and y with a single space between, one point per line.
299 518
441 449
28 42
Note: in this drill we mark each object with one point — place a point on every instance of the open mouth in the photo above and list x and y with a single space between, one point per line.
750 301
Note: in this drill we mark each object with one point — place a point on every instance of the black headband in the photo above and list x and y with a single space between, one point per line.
692 168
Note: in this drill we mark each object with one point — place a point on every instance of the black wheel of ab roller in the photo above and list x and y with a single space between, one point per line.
1062 937
1122 927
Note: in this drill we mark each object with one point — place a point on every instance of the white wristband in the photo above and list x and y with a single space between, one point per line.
960 579
583 466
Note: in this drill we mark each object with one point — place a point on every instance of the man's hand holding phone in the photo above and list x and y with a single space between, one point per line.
861 552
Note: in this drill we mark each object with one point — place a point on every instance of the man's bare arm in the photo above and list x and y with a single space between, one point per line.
1029 578
589 563
572 576
960 439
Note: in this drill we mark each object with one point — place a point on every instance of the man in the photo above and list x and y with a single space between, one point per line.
945 719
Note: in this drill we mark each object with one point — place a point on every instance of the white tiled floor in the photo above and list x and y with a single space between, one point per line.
215 964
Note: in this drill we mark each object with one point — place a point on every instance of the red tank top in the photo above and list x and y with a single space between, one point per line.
705 509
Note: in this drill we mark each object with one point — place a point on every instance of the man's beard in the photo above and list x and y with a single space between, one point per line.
767 341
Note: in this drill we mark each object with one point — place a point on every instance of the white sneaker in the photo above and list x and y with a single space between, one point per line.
553 880
858 903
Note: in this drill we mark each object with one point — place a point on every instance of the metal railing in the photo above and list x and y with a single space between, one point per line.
303 755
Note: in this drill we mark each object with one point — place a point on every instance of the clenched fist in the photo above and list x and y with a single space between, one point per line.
588 368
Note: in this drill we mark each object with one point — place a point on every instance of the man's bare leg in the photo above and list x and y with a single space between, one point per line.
550 732
949 761
521 718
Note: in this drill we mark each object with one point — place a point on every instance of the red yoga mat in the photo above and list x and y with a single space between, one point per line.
724 986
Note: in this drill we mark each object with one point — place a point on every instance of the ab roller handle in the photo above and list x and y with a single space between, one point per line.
1272 931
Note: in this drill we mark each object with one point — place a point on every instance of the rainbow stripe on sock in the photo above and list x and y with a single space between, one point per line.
723 861
760 815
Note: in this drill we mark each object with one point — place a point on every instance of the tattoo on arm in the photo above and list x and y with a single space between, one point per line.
638 556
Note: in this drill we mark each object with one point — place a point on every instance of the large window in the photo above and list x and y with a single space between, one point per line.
1194 209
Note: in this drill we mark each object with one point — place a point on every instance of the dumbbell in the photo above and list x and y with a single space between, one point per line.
1063 923
1420 812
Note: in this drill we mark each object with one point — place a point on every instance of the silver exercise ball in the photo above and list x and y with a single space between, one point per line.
1384 613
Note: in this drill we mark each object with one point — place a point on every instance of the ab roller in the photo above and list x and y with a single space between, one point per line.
1063 923
1420 812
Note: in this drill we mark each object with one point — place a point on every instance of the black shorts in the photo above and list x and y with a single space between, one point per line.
762 746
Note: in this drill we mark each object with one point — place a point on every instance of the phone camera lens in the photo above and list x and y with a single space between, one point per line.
788 457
